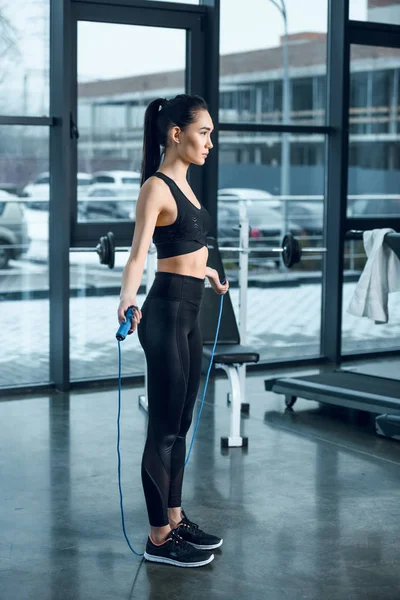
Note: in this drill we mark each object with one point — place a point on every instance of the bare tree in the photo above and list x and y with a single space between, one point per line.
9 49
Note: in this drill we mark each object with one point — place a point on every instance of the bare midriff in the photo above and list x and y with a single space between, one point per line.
193 264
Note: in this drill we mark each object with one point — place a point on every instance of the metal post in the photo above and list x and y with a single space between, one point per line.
211 28
243 269
285 167
352 263
285 139
336 181
394 103
243 279
61 36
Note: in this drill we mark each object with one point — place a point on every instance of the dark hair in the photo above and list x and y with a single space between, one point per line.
179 111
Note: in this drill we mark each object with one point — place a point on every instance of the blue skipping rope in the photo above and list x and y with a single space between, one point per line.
120 335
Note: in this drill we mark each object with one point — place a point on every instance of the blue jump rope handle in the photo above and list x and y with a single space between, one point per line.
125 327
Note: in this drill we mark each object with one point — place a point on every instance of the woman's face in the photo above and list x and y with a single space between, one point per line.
194 143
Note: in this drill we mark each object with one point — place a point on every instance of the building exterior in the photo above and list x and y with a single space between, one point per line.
384 11
111 112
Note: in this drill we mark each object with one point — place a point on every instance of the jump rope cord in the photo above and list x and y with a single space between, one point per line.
119 455
206 383
119 418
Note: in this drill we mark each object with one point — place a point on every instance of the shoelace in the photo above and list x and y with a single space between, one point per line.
182 544
190 526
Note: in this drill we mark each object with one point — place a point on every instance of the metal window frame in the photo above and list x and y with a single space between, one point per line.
363 33
146 4
59 210
265 127
335 131
368 33
64 231
165 15
20 120
336 179
341 34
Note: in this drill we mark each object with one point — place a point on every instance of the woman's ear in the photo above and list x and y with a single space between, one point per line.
176 134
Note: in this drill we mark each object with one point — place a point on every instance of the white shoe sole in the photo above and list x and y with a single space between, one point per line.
176 563
207 547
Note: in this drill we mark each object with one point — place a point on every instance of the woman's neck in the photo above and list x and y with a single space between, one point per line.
174 168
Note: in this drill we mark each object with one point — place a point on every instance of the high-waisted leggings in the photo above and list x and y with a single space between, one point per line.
170 335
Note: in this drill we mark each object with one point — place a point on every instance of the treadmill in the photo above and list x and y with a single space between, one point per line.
340 387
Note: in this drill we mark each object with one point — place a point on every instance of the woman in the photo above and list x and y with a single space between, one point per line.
168 323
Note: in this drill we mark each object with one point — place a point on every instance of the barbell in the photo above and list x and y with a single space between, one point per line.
290 250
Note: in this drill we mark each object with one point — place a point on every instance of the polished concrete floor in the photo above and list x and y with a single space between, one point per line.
309 511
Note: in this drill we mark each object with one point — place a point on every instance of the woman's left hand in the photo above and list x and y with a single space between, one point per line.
216 285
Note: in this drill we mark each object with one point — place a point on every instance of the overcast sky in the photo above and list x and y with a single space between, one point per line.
140 50
107 51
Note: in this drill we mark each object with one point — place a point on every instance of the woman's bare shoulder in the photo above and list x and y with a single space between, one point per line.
154 184
155 191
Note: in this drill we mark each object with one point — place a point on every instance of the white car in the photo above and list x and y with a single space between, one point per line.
109 202
39 189
250 195
14 237
117 177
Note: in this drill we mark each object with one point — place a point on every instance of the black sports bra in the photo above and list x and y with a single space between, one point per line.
188 233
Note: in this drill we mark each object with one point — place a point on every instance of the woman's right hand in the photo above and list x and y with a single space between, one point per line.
122 309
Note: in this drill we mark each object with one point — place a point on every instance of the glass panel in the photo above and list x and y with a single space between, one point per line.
374 161
378 11
95 291
284 319
24 279
114 90
255 76
24 57
360 334
111 114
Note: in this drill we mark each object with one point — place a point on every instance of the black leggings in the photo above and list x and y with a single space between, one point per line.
170 335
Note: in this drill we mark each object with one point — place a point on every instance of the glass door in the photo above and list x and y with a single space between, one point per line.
124 58
120 70
123 62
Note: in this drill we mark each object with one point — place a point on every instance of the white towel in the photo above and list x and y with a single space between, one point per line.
380 277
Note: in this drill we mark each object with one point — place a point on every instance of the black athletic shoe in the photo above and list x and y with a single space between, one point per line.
175 551
191 533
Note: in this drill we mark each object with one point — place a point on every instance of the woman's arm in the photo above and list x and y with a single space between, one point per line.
211 273
213 278
149 206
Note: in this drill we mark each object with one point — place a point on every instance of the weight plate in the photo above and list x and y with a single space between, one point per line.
291 251
111 250
103 254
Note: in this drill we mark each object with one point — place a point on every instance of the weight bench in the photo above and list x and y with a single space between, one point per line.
229 355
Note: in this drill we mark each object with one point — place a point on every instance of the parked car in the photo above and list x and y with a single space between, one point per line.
117 177
247 194
109 202
371 207
308 216
39 190
14 240
265 227
11 188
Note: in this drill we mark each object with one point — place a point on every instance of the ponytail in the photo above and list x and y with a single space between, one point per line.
151 143
180 111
